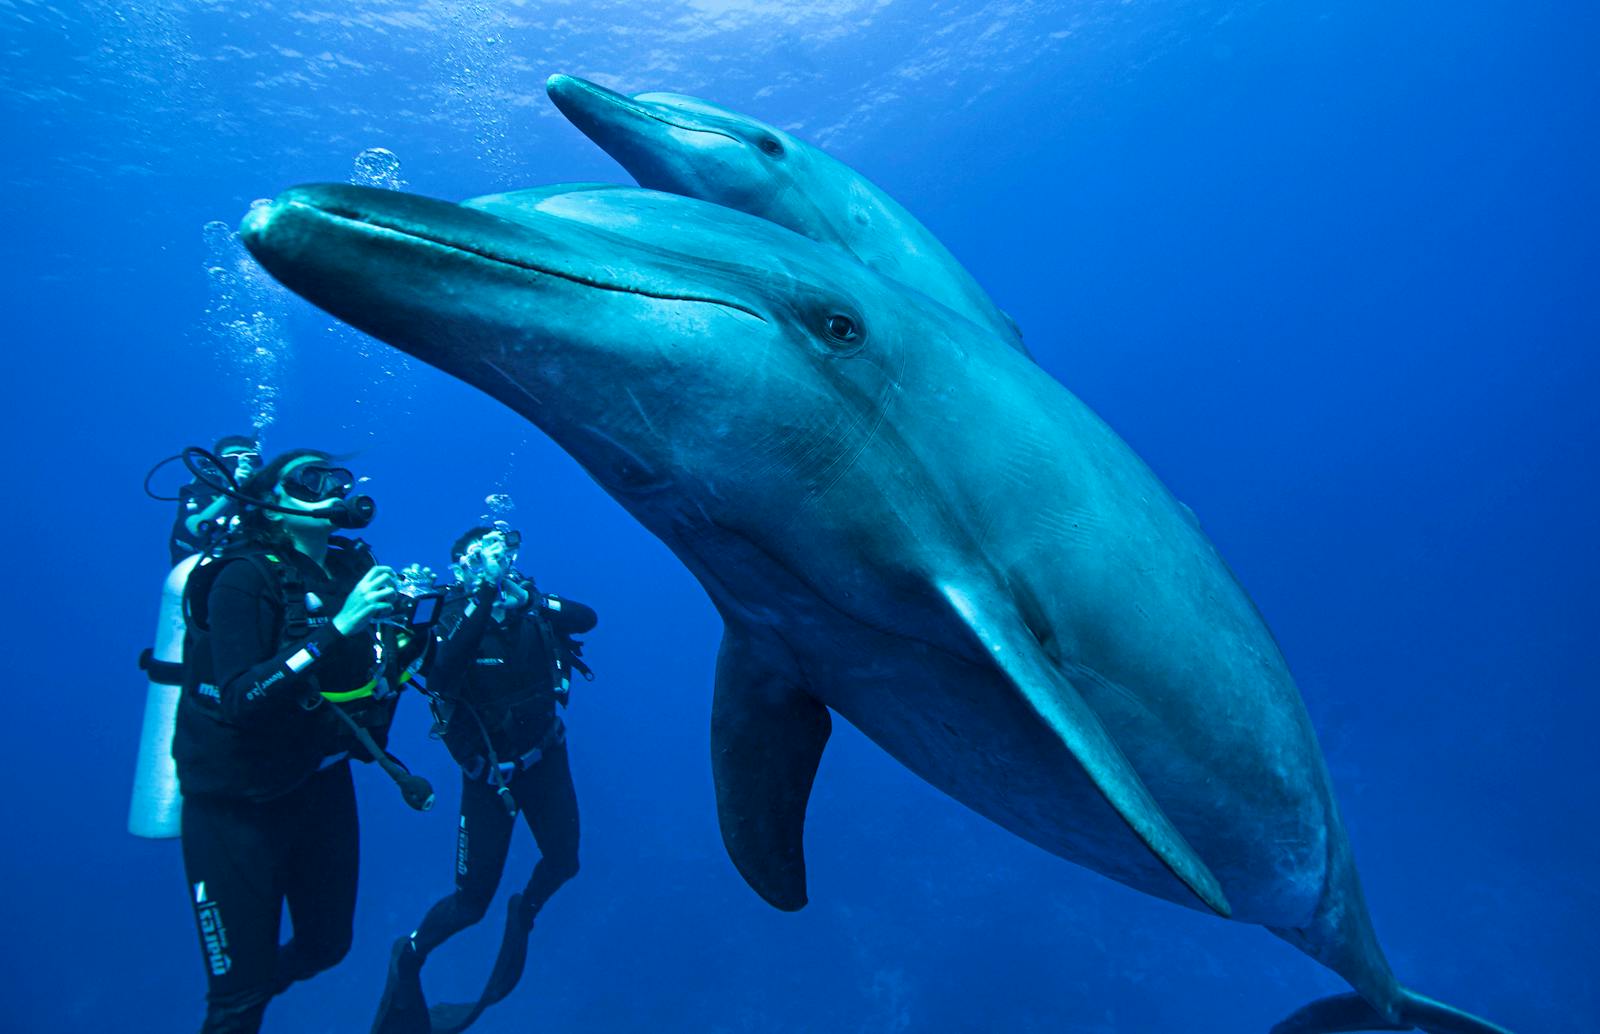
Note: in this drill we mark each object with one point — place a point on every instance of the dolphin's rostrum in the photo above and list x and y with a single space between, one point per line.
900 518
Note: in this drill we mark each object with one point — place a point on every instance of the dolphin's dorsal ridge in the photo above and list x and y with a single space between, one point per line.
767 737
1018 655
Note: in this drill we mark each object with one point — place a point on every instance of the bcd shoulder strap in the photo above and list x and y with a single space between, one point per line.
197 591
555 649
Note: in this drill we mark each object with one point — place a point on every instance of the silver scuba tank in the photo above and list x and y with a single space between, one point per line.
157 804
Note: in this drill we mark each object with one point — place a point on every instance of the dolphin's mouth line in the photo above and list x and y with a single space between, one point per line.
679 125
629 104
369 225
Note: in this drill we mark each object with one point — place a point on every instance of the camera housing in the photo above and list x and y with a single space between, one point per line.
418 610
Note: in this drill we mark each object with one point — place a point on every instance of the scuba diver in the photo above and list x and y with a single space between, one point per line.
207 508
202 509
290 671
501 662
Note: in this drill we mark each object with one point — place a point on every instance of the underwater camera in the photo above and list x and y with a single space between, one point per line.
417 609
418 603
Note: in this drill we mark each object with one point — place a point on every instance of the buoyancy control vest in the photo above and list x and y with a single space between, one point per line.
275 752
505 704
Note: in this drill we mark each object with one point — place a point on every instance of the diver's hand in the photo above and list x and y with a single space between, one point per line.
513 594
246 467
496 563
418 576
371 598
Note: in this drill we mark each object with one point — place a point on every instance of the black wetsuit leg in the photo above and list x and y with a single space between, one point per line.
550 806
483 836
320 880
243 859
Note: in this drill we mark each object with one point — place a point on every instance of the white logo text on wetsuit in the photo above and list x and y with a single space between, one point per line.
213 935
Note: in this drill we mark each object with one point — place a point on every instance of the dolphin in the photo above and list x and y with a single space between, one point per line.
685 145
899 519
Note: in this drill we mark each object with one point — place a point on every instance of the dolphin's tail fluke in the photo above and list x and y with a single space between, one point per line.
1351 1012
1341 937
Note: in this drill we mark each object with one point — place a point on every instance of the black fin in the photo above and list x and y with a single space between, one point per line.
403 1009
454 1017
767 736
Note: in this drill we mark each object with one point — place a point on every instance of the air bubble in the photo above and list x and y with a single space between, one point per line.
377 167
244 317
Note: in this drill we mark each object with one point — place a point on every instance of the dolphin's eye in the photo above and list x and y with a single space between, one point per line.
842 327
771 146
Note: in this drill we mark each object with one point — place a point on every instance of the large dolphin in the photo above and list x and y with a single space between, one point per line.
899 518
685 145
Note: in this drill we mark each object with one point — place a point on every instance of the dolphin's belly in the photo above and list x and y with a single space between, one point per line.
965 731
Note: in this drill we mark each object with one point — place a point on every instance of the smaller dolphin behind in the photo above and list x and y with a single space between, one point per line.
684 145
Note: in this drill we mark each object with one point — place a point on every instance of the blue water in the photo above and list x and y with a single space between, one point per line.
1329 267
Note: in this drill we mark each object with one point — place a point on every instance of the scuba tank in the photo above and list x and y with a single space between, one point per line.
157 804
156 807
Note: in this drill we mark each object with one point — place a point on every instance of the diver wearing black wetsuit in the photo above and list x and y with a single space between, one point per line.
269 811
496 675
202 510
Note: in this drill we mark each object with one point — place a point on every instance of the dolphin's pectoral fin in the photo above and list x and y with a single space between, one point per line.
767 736
1019 657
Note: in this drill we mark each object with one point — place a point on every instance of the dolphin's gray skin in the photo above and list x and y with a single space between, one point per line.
900 519
688 146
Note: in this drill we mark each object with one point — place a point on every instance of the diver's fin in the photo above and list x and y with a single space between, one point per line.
514 205
454 1017
403 1010
1351 1012
767 736
1017 654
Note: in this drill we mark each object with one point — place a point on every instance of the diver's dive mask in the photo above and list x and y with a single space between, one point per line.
230 461
310 483
318 482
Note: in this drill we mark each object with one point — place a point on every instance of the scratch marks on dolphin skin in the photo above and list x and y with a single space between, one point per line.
1081 675
846 459
1022 487
1016 481
1068 524
639 408
817 456
799 453
513 386
888 392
